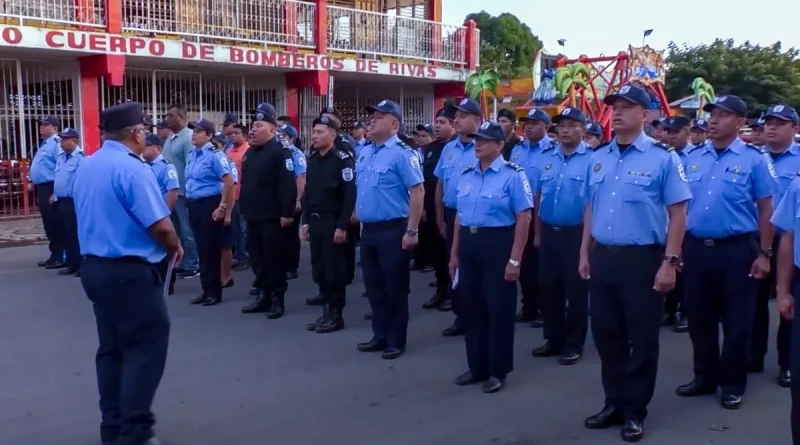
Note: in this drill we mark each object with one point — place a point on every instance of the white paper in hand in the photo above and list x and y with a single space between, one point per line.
168 276
455 279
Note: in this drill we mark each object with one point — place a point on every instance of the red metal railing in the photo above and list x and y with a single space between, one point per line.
16 190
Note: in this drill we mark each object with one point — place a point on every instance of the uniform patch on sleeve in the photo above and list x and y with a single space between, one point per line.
224 161
414 159
172 173
301 160
289 165
679 166
347 174
770 167
525 183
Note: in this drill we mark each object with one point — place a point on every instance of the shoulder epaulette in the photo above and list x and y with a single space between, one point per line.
601 146
166 161
756 148
520 142
663 145
514 166
403 145
553 144
468 169
214 149
342 154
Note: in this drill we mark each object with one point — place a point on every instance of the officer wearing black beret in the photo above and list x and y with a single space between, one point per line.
508 120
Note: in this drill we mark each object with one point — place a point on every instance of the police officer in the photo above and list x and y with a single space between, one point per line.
757 132
167 179
423 135
289 136
564 296
508 120
209 189
657 127
594 135
527 155
327 207
69 160
430 237
494 202
359 133
552 132
787 220
780 126
389 204
676 130
124 230
732 184
698 133
43 174
457 155
637 195
162 130
268 202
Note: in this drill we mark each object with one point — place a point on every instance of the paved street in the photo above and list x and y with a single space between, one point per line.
236 379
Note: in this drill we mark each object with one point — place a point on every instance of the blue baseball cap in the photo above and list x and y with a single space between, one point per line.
594 128
468 106
730 103
490 131
162 124
230 119
50 120
388 107
428 128
202 124
288 130
122 116
783 112
222 139
536 114
632 93
700 124
570 113
657 122
756 122
446 112
676 122
265 112
360 125
153 139
68 133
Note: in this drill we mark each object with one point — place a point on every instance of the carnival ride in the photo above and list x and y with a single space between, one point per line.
584 83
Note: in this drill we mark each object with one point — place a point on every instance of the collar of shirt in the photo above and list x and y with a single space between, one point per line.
242 147
208 146
392 140
736 146
67 155
117 146
158 158
794 149
361 141
580 149
541 144
495 165
463 147
640 143
182 132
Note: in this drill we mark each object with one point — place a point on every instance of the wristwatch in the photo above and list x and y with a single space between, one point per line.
672 260
412 232
514 263
769 253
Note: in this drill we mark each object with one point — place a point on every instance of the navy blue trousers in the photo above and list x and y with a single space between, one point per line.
50 220
717 287
211 237
488 301
385 267
69 232
761 326
133 332
795 364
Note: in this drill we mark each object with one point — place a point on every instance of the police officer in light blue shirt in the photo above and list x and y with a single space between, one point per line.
43 173
757 132
527 154
69 160
359 133
289 136
209 189
787 221
732 183
637 194
781 123
125 231
457 155
594 135
698 133
389 204
559 229
493 204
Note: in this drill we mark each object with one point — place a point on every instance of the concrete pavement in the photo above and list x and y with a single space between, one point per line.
236 379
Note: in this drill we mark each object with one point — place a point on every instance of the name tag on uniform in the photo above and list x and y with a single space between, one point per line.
735 170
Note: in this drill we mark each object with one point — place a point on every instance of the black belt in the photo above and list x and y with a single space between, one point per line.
122 259
322 215
564 229
390 224
629 248
727 241
64 198
473 230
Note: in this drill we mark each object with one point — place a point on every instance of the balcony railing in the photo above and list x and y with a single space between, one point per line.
77 13
276 22
366 32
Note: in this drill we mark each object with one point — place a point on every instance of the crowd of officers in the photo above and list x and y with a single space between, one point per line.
687 216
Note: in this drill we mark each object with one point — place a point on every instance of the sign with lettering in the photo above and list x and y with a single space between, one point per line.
80 41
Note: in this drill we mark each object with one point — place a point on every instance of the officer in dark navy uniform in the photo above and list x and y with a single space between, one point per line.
430 238
491 229
327 207
389 204
125 231
268 200
508 120
637 193
780 125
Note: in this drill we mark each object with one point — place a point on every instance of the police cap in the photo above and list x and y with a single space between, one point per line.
448 113
332 111
230 119
756 122
700 124
536 114
361 125
469 106
203 124
632 93
68 133
490 131
676 122
783 112
428 128
153 139
388 107
730 103
657 123
50 120
221 138
162 124
326 121
508 114
122 116
288 130
595 129
286 119
570 113
265 112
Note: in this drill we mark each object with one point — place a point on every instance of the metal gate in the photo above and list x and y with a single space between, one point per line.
415 100
31 90
310 106
208 96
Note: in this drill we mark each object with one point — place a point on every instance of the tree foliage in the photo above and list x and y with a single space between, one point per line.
761 75
507 45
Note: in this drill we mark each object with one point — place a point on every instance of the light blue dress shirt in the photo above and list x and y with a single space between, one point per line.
299 159
528 156
560 182
166 175
787 167
787 216
455 158
66 167
205 169
43 166
493 197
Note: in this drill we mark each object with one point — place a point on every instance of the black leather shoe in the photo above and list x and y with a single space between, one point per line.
569 359
546 350
392 353
55 265
277 309
668 320
537 322
682 325
468 378
313 326
695 388
44 263
756 367
785 378
730 401
67 271
212 301
368 316
434 302
523 317
373 345
632 431
262 303
455 329
609 416
252 292
446 306
432 284
316 300
332 323
200 299
493 384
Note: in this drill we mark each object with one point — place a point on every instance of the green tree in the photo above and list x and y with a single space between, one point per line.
507 45
480 84
761 75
